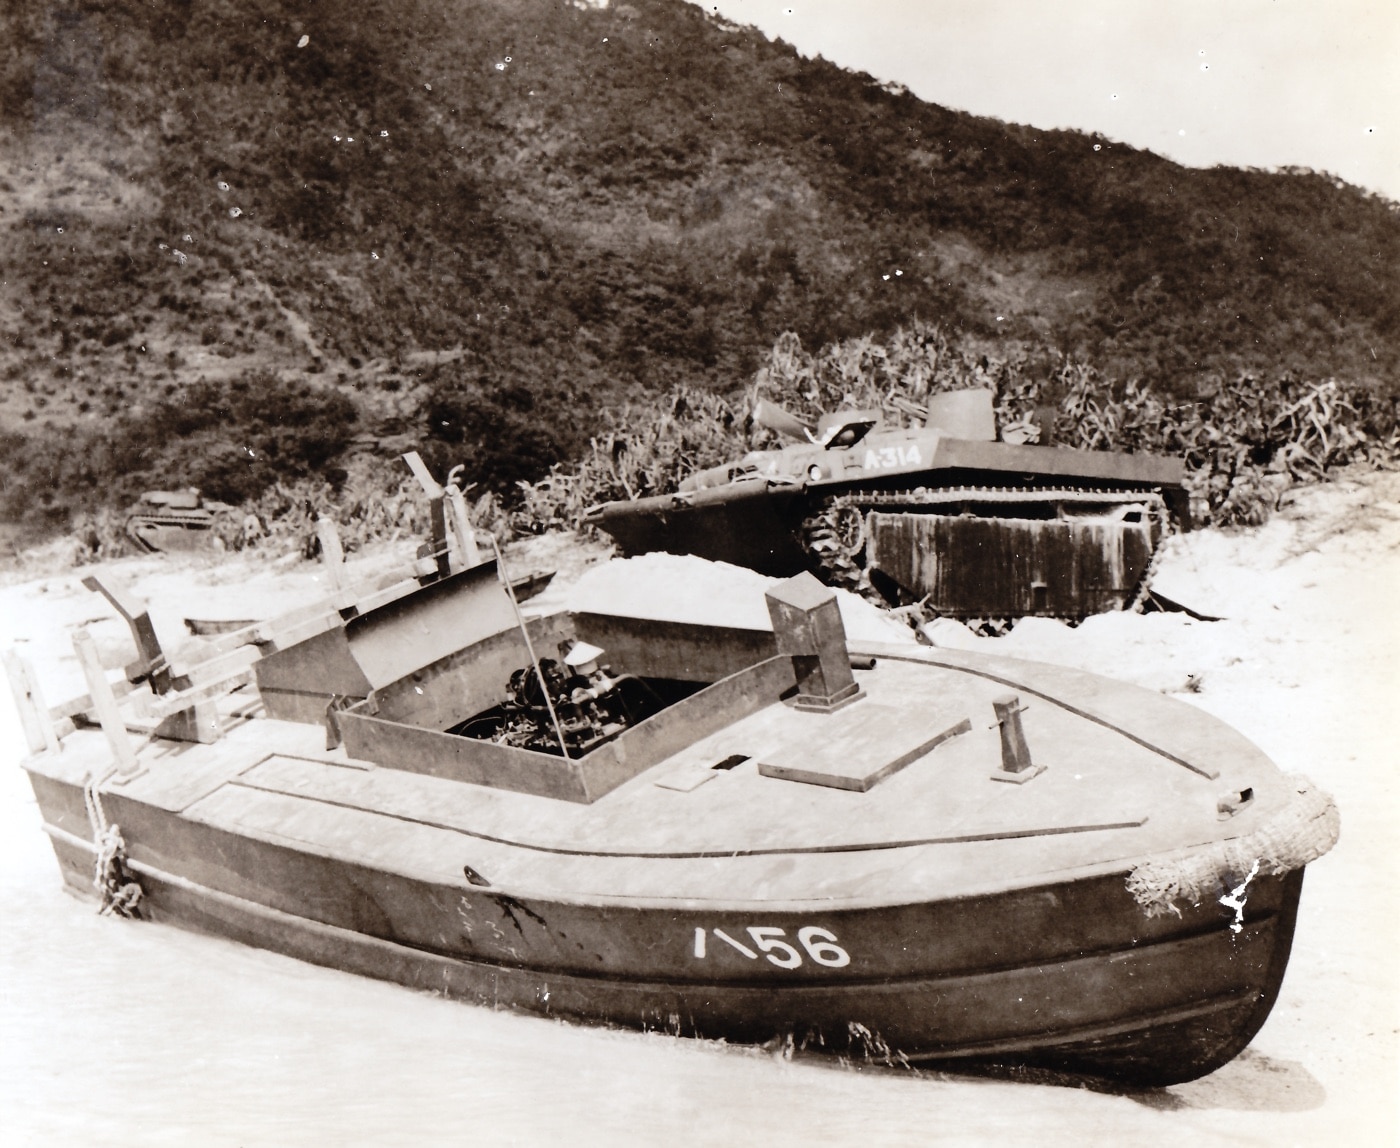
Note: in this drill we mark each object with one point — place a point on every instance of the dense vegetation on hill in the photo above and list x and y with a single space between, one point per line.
488 221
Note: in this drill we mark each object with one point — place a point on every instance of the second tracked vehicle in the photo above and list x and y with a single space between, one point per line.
172 520
942 513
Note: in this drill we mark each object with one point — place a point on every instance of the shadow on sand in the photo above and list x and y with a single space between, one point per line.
1252 1082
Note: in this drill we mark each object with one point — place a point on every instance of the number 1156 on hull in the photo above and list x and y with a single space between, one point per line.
819 945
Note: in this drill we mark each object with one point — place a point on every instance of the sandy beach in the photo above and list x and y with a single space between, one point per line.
118 1032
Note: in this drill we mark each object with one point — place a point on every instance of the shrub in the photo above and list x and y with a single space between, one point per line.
649 450
277 450
1244 443
233 440
498 435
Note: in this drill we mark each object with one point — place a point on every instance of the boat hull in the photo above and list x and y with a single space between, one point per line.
1068 974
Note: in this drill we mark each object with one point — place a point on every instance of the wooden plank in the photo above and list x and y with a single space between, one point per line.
438 551
332 557
687 778
217 669
462 527
138 617
104 702
970 566
83 704
182 775
167 705
856 748
423 475
34 715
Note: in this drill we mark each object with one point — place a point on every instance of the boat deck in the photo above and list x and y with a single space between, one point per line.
936 824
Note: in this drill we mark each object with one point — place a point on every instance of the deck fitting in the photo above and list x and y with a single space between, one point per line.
1016 764
808 628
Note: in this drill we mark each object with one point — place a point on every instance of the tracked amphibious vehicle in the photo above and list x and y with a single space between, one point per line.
172 520
886 851
942 513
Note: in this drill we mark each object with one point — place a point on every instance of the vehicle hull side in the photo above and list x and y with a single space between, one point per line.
751 525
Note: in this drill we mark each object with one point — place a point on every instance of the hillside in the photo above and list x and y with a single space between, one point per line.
528 210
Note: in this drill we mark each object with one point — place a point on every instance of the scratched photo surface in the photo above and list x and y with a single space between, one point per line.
252 252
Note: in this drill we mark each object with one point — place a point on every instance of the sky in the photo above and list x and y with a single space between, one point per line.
1250 83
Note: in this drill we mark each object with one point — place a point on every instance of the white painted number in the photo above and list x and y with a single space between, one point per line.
763 937
820 944
892 456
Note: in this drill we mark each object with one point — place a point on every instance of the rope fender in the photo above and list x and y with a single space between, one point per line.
1303 830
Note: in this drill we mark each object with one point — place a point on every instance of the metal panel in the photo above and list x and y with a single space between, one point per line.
297 683
679 651
415 631
964 414
395 745
468 681
1058 462
988 567
414 750
709 711
749 524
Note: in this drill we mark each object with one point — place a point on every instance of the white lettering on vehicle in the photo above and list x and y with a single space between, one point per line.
820 946
891 456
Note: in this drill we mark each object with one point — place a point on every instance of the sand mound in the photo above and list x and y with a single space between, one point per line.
684 589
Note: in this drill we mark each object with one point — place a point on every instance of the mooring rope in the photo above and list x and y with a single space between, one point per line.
120 893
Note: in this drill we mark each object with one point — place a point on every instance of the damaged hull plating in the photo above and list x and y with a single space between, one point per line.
849 872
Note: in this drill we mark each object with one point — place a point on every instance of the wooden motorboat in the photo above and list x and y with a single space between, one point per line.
900 853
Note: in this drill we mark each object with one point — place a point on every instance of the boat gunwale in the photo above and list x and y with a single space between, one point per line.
1045 878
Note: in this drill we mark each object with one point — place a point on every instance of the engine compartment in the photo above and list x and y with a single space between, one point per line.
572 704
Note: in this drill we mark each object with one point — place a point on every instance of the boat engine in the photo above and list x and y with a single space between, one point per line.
592 706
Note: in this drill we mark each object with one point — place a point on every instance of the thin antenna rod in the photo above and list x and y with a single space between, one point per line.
530 646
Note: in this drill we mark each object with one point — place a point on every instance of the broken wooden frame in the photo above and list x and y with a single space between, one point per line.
183 699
